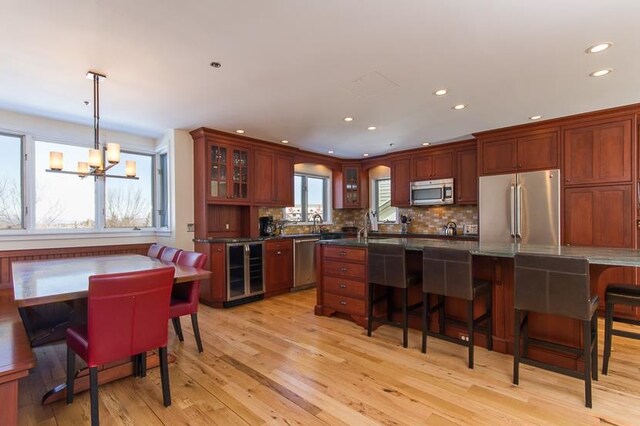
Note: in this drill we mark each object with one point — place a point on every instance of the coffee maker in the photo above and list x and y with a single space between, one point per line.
267 226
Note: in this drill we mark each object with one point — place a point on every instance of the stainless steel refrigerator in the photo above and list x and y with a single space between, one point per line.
520 208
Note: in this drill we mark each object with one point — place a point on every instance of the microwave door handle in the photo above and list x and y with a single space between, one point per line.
519 211
443 192
512 208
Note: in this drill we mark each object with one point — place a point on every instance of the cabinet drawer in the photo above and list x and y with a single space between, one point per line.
275 246
357 255
344 269
343 287
344 304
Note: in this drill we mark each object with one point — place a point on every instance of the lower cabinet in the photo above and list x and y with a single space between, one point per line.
278 266
343 276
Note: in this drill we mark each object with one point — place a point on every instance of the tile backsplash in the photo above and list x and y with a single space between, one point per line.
424 220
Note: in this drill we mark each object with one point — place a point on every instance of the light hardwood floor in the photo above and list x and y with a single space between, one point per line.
275 362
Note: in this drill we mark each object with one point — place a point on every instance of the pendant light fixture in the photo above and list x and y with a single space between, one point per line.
95 166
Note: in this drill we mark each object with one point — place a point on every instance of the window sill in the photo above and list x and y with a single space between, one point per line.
8 236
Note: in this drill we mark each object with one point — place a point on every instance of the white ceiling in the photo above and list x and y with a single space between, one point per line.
292 69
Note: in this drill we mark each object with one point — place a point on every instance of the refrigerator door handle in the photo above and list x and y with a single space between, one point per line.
519 211
512 211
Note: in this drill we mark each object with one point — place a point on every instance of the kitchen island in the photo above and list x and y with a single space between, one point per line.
343 289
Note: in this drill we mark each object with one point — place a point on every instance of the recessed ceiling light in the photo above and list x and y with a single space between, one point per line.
348 119
535 117
599 47
371 128
240 131
365 155
285 141
330 151
459 107
440 92
426 143
600 73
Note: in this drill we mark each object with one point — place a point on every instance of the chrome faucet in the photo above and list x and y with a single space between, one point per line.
317 218
364 230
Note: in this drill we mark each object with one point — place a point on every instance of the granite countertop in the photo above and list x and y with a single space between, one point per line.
338 235
595 255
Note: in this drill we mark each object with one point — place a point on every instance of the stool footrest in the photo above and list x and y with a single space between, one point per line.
623 333
551 367
626 320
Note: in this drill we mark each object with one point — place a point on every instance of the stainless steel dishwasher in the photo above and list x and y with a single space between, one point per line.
304 264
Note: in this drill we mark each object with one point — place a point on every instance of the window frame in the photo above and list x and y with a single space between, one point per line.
304 199
23 195
375 200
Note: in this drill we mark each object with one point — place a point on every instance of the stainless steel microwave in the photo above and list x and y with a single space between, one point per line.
432 192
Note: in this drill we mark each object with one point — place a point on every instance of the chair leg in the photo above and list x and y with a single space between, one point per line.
470 331
164 376
143 364
586 353
516 346
389 303
489 306
196 331
71 374
525 334
370 310
608 325
178 328
405 317
93 390
425 321
441 314
594 350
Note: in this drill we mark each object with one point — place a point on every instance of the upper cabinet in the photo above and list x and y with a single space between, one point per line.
466 179
401 182
533 150
599 153
433 165
273 179
228 173
350 189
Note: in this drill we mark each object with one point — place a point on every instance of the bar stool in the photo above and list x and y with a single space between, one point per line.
618 294
558 286
448 273
387 267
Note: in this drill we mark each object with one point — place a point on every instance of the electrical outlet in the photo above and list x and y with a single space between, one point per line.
226 226
463 336
191 227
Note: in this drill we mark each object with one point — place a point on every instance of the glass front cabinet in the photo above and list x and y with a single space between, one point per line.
228 173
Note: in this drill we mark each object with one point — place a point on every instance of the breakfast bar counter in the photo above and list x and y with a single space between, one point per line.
343 287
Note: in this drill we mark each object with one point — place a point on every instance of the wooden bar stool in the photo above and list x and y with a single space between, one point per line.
387 267
558 286
618 294
448 273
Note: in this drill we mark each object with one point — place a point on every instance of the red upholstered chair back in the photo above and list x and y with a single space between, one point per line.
127 314
170 254
155 251
188 292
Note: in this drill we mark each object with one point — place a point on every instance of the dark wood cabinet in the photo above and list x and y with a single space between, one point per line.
401 182
526 152
278 266
434 165
350 187
466 179
599 153
213 290
273 179
228 173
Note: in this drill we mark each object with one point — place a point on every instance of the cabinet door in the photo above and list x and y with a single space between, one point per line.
401 183
263 175
218 187
466 180
598 154
278 266
499 156
538 152
284 181
217 291
598 216
422 167
442 165
351 186
239 168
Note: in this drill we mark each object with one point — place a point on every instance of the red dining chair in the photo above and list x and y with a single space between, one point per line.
184 296
127 315
155 251
170 254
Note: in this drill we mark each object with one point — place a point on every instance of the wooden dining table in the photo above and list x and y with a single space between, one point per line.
42 282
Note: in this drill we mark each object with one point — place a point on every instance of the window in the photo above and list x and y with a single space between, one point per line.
382 201
311 195
163 191
11 198
63 201
129 202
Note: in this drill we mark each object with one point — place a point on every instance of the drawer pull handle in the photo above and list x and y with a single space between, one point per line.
279 253
342 302
343 286
343 253
343 269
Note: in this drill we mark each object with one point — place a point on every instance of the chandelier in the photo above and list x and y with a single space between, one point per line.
95 166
